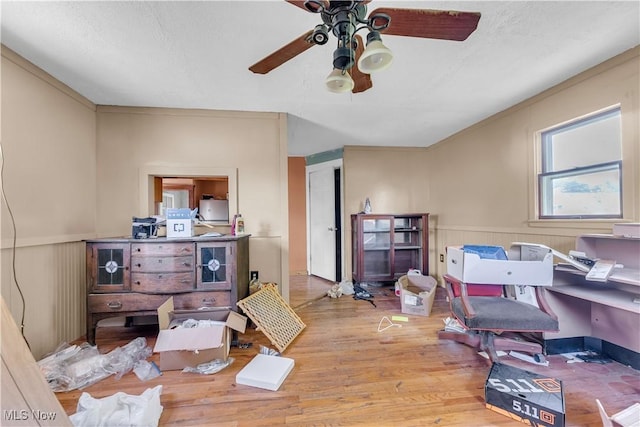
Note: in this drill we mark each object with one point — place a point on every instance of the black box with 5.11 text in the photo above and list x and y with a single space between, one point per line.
525 396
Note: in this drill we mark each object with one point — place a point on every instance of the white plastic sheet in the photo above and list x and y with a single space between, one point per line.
120 409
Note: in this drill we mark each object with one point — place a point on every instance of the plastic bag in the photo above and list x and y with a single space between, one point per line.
122 359
146 371
208 368
77 367
119 409
268 351
347 287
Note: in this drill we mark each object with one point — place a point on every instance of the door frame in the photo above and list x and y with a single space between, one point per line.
333 165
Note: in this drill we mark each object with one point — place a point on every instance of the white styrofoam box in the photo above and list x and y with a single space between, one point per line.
470 268
264 371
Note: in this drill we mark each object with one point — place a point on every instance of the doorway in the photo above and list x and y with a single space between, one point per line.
324 232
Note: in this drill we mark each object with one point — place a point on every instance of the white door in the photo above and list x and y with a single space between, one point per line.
322 234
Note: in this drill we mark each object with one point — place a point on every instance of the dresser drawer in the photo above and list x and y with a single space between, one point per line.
130 302
196 300
105 303
153 264
163 282
162 249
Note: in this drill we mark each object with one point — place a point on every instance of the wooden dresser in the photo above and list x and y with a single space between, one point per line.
133 277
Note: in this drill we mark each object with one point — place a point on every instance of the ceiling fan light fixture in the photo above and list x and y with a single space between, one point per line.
343 58
320 35
339 81
376 56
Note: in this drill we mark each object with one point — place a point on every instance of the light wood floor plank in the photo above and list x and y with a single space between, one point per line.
347 373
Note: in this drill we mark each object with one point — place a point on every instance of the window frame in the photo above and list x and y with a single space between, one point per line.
600 167
546 160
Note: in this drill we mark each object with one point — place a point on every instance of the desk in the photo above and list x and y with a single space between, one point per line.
604 310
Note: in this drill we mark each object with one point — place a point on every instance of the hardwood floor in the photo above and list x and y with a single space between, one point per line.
348 373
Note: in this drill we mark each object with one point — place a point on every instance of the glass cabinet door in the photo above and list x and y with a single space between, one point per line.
376 248
407 244
215 266
108 267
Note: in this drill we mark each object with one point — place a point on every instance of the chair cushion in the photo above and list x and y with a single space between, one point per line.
478 290
504 314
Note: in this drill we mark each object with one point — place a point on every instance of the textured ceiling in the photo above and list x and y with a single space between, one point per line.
195 55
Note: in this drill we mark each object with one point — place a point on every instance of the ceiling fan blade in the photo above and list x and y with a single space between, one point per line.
282 55
431 24
299 3
361 80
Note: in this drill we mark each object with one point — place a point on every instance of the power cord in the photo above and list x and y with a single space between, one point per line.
13 248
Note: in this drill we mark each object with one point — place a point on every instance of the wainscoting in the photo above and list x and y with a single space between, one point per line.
52 280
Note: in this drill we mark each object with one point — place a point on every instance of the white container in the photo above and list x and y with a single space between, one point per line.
264 371
179 223
470 268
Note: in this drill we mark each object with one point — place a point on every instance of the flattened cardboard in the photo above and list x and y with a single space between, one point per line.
264 371
182 347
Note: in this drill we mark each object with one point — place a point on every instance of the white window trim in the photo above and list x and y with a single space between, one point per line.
630 173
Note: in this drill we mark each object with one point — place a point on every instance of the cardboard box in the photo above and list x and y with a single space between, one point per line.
527 265
525 396
182 347
179 223
264 371
417 294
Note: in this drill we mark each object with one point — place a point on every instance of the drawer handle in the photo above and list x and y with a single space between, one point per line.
208 301
186 281
137 282
186 264
160 261
114 305
138 265
138 249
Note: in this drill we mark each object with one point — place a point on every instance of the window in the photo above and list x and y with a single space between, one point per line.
581 173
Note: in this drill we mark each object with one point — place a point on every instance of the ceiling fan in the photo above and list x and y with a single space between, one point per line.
352 63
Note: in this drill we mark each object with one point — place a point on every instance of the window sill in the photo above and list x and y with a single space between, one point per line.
590 224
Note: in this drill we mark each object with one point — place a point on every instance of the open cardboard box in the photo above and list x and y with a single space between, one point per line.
182 347
417 294
528 264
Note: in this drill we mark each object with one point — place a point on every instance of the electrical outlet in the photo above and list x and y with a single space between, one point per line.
441 257
253 275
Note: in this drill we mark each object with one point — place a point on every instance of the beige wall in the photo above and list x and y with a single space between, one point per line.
252 145
73 171
49 153
393 178
297 216
478 185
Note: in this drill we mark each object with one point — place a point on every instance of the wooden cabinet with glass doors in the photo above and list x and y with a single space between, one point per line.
133 277
385 247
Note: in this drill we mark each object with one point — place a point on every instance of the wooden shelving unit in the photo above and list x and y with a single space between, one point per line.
386 246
